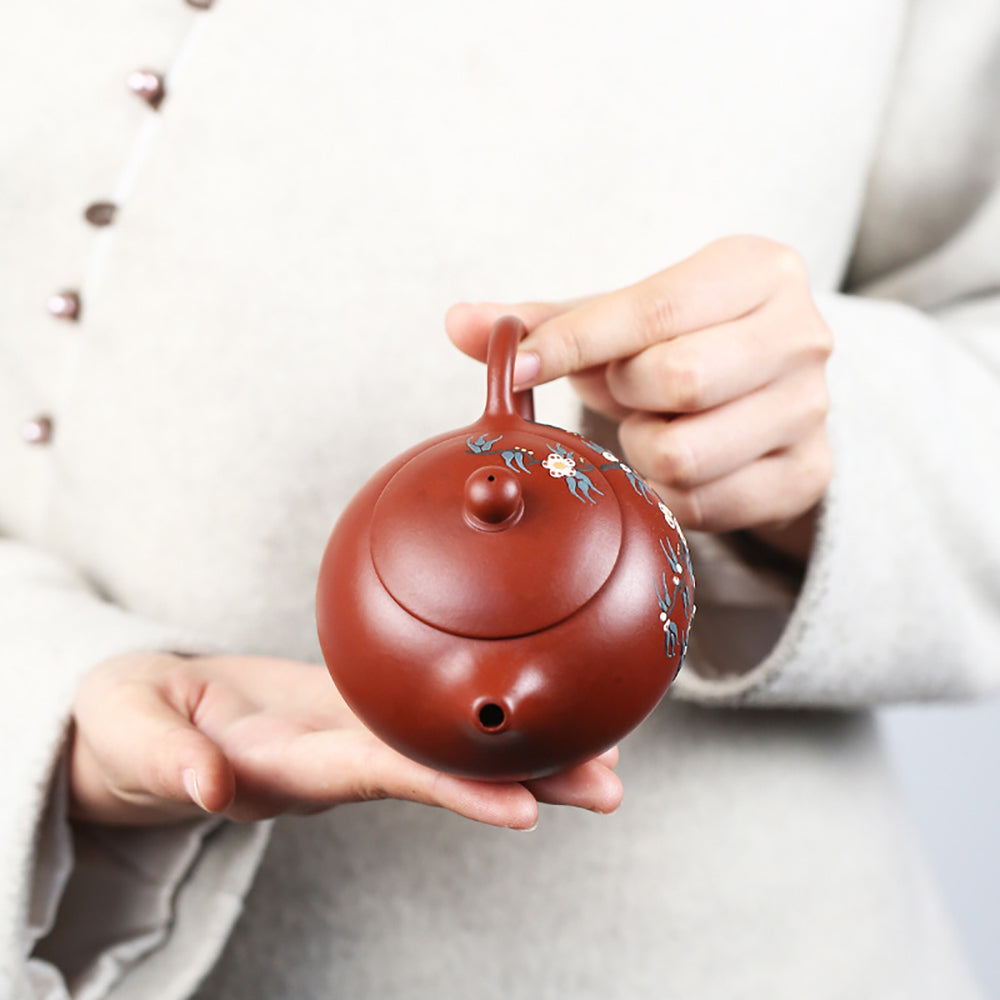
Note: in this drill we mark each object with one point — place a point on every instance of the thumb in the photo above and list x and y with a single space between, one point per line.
722 282
468 324
137 759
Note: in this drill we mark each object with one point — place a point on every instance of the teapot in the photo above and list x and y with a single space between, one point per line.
505 600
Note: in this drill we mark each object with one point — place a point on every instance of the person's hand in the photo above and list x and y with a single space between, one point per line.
159 737
715 370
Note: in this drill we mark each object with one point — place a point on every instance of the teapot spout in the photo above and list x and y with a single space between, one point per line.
491 715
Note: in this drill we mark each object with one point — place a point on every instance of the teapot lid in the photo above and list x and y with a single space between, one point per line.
502 530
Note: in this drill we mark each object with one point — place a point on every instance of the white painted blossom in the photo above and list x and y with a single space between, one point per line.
559 466
668 516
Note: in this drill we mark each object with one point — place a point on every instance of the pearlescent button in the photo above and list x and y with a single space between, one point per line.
100 213
148 85
65 305
37 430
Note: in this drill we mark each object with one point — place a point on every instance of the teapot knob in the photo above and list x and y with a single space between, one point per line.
493 500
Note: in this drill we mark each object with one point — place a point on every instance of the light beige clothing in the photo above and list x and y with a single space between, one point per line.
261 328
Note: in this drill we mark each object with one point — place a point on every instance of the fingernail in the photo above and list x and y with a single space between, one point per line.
526 369
524 829
191 787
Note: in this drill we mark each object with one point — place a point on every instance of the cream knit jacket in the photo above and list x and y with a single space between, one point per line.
260 328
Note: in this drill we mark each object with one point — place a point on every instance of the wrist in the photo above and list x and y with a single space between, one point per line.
792 539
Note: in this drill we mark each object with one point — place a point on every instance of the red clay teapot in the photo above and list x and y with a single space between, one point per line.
508 599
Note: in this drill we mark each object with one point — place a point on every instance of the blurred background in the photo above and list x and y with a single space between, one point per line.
948 759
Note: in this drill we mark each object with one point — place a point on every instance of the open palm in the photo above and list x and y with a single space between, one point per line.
160 737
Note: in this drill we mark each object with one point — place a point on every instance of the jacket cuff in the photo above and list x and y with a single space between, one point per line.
109 903
134 912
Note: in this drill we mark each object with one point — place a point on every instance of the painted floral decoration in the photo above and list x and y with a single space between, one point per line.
559 466
674 595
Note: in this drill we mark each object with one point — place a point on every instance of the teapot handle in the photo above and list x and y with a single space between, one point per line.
501 400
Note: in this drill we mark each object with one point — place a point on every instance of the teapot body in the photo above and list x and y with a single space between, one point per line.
504 601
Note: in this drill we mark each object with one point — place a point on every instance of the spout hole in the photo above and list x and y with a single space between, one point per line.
491 716
491 479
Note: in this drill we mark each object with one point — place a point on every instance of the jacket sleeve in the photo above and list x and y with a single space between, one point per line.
93 912
901 597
